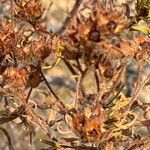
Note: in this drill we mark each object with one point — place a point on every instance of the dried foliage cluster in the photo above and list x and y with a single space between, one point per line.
95 41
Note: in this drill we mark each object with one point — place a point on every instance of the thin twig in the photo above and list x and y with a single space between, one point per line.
137 92
115 96
70 16
28 96
35 118
79 87
69 66
13 115
97 80
8 138
79 67
139 79
51 90
55 145
39 121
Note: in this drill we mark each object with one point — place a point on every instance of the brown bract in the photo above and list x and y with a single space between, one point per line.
89 124
111 20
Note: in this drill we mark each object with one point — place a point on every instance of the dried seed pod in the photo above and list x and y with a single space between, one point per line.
111 25
94 35
108 73
105 95
93 129
79 122
21 14
145 46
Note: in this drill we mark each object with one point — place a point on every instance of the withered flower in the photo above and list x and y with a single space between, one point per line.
15 77
111 20
79 121
9 35
7 38
88 124
94 129
31 11
41 48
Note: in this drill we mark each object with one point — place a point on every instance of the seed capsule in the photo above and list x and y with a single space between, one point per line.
108 73
145 45
94 35
111 25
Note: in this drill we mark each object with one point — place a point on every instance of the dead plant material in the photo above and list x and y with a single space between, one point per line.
94 45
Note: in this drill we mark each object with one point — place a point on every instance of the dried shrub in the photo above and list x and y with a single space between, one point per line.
100 120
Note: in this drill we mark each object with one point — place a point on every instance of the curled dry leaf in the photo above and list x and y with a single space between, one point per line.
34 78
